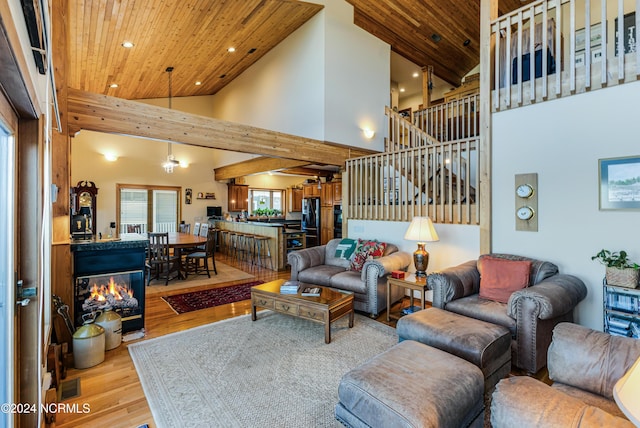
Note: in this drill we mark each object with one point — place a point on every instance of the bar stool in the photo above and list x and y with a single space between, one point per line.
250 247
233 244
263 252
242 249
224 238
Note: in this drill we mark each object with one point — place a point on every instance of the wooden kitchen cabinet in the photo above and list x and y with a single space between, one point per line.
326 224
295 200
238 199
310 190
326 195
337 192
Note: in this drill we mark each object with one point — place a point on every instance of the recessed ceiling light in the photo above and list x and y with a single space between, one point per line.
127 45
436 37
113 85
415 74
198 83
231 49
401 89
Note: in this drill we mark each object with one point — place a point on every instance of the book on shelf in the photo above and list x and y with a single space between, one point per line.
290 287
311 291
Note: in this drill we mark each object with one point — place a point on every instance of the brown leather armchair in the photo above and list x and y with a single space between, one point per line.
530 314
584 365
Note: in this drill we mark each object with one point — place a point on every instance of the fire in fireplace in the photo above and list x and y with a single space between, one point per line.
113 295
123 292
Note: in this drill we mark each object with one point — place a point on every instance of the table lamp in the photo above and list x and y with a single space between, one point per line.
626 392
421 229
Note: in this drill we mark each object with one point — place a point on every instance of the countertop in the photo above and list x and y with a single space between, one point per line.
130 240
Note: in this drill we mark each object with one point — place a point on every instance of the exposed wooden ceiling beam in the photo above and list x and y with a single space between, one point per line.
308 171
255 166
102 113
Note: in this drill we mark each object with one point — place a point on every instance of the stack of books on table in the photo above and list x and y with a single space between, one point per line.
289 287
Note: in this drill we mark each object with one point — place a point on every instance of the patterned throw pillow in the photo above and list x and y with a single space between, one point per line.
366 250
346 248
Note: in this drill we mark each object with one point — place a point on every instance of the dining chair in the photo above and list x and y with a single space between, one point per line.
185 228
161 262
193 259
196 229
204 229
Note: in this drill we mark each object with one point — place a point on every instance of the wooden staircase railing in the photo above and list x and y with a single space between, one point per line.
454 120
417 175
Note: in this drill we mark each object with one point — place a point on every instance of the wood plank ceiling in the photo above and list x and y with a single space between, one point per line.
442 34
193 37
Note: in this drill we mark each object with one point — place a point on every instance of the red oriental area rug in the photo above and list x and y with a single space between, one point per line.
196 300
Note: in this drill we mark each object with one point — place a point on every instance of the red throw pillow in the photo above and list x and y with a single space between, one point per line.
364 251
500 277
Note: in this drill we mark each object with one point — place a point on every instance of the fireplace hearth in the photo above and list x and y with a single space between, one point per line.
110 274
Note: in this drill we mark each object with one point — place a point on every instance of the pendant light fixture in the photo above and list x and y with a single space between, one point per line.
171 161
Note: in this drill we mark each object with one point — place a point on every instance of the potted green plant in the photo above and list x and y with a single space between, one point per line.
620 270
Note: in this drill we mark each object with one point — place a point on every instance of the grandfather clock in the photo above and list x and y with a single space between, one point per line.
83 210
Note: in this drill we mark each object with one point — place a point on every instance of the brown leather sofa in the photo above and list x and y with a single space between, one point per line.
530 313
584 365
319 265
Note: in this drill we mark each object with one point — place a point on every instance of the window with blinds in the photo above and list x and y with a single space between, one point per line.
148 208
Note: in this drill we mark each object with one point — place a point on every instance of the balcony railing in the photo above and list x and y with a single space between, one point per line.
577 45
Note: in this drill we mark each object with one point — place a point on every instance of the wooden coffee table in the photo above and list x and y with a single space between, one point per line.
328 307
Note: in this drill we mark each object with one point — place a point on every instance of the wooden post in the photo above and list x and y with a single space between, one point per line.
488 12
427 74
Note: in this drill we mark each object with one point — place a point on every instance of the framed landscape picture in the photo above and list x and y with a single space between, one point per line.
619 183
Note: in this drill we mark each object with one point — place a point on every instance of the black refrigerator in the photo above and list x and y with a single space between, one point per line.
311 220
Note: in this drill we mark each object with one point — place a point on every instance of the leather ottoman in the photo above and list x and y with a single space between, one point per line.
412 385
486 345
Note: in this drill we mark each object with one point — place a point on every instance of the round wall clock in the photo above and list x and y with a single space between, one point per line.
525 213
524 191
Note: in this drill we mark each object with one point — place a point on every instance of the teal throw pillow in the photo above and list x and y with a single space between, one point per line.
345 248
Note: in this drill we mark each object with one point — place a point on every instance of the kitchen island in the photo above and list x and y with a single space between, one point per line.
282 239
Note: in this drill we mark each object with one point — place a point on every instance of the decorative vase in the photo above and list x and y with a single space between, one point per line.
627 277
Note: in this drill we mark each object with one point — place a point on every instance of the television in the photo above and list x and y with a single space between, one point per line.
214 211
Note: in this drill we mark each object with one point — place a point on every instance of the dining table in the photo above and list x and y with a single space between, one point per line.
179 241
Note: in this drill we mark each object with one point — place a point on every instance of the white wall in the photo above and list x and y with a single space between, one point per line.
315 85
457 244
357 79
562 141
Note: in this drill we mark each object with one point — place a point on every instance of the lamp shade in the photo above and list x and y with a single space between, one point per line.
421 229
626 392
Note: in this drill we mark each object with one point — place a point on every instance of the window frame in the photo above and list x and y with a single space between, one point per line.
150 201
271 191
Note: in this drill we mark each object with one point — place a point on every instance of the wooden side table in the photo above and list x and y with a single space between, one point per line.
411 282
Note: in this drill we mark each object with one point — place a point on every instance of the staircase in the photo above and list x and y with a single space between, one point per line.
420 174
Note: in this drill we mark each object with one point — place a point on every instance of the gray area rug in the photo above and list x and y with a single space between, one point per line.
276 371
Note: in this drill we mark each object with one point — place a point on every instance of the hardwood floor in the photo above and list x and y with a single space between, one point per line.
112 389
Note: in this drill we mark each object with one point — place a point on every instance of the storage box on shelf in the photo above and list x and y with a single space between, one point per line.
621 310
